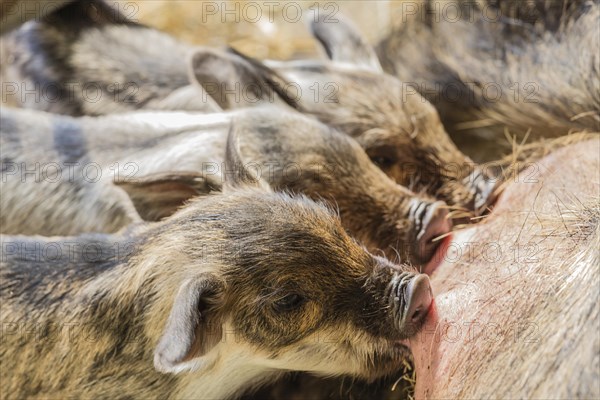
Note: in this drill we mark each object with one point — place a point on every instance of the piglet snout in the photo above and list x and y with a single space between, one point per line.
485 190
434 223
419 297
413 300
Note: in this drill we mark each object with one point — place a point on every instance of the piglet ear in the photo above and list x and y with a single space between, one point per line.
342 41
193 328
217 74
159 195
238 172
235 80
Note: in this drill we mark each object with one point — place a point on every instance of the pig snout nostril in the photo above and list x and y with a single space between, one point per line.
417 315
434 223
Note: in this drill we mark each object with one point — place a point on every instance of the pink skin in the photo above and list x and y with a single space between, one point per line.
449 343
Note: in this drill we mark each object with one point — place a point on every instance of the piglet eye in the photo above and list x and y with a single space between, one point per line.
289 302
382 161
